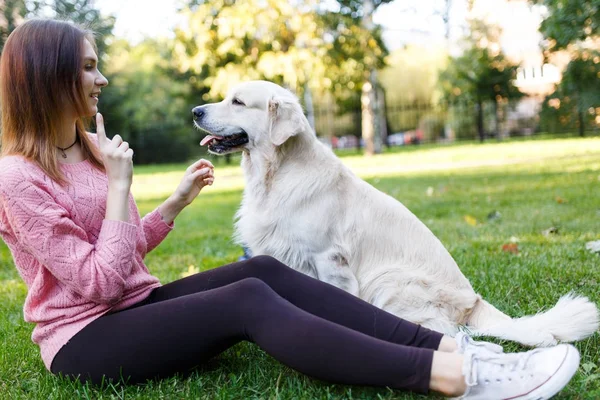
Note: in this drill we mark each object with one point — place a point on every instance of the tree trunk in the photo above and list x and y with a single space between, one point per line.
310 109
370 126
382 118
581 119
496 120
480 131
368 119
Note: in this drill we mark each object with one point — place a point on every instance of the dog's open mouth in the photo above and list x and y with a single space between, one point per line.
224 144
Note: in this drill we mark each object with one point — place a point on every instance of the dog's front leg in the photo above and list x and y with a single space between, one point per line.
333 268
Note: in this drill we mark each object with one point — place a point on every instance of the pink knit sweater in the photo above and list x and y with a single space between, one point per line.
77 265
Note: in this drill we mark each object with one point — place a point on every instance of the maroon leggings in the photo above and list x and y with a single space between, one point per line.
310 326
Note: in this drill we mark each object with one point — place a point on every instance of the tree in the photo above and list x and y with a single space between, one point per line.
482 73
577 96
574 25
569 21
361 11
479 75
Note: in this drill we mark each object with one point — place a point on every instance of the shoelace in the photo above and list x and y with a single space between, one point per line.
489 367
465 341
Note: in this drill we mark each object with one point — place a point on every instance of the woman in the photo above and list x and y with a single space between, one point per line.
72 226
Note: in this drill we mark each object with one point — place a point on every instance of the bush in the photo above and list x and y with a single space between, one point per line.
162 144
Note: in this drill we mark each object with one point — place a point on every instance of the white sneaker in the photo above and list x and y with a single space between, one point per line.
535 375
465 342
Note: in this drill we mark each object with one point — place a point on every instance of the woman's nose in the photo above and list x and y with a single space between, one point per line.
101 81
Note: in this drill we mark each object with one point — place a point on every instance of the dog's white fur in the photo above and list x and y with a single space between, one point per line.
302 206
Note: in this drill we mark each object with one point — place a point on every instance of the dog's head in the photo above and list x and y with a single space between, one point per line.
254 114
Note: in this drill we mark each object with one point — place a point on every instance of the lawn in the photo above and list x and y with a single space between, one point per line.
475 198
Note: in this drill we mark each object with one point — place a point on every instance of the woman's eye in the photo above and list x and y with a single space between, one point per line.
89 67
237 102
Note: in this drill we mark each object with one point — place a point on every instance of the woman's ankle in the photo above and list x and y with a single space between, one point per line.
447 344
446 374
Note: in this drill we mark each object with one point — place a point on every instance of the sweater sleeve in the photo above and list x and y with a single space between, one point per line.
155 229
44 229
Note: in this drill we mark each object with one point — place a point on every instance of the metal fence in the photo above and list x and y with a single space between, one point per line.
429 122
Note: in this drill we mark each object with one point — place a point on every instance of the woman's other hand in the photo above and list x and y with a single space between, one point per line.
196 177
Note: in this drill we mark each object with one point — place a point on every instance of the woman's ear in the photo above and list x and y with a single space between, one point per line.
286 119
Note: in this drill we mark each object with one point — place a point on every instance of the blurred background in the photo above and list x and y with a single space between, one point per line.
370 74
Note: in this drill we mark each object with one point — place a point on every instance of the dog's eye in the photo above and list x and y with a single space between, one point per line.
237 102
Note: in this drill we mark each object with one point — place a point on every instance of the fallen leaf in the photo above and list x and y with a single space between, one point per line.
511 248
190 271
594 246
550 231
560 200
470 220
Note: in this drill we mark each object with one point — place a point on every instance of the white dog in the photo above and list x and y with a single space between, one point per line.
302 206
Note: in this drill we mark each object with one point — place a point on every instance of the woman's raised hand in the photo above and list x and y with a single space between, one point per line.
117 157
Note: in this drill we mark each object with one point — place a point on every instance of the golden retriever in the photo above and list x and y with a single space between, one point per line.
302 206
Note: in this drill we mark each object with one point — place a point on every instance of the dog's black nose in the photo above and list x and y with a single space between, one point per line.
198 112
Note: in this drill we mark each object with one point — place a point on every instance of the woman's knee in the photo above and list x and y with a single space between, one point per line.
268 266
253 287
254 295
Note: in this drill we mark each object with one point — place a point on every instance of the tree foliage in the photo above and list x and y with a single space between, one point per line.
355 8
478 75
296 44
13 11
576 101
82 12
573 25
570 21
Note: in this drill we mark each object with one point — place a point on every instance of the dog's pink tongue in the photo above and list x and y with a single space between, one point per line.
207 139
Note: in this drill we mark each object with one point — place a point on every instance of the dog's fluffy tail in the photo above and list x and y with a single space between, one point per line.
572 318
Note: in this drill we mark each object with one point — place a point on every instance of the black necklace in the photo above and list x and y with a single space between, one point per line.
64 155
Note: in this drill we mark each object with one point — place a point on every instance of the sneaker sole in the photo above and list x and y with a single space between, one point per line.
559 380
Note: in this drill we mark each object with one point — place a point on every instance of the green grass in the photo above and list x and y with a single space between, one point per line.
534 185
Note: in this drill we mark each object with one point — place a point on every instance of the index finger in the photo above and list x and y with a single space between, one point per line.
100 128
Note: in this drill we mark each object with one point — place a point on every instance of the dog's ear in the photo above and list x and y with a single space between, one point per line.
286 119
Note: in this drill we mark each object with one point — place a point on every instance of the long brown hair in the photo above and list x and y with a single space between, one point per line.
40 75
